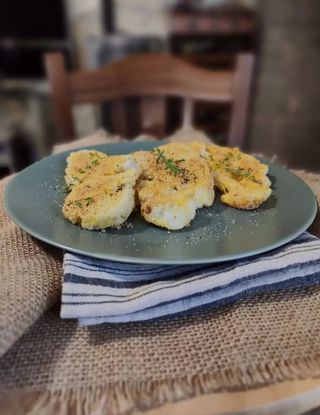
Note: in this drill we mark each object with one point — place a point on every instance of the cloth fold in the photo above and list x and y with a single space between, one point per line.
97 291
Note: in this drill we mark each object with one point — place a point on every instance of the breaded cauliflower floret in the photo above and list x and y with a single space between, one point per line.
240 177
104 196
103 201
174 183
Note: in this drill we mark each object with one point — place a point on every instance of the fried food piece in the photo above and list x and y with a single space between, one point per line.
174 183
175 151
102 202
105 195
240 177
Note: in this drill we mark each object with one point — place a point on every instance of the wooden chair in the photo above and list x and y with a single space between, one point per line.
151 78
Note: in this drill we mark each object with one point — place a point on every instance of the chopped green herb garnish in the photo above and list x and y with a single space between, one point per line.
93 154
75 178
169 163
81 171
217 163
240 172
88 201
228 156
95 162
68 187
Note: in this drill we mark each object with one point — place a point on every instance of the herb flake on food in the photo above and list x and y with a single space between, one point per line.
95 162
120 187
228 156
88 201
68 187
169 164
240 172
93 154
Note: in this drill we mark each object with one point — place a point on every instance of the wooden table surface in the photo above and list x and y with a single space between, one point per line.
287 398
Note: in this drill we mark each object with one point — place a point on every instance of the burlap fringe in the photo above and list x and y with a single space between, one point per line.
129 398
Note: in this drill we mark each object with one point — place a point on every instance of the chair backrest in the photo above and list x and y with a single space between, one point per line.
151 78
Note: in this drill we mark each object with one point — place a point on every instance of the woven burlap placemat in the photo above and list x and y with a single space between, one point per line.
30 278
58 367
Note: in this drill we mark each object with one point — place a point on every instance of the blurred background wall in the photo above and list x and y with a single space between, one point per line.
285 36
286 116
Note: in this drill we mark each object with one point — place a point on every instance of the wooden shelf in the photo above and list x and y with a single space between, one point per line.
222 20
213 37
185 25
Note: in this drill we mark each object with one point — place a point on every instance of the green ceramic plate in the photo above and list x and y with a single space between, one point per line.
34 197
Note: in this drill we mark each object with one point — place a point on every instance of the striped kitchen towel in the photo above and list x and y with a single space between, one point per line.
97 291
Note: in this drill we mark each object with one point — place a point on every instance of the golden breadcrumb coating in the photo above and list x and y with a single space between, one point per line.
240 177
104 196
175 182
80 164
168 184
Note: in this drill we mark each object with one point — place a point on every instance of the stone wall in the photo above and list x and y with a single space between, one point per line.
286 119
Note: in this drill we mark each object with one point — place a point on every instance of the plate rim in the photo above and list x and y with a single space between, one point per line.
137 260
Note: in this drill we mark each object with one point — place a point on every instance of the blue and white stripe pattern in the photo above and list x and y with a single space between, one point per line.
97 291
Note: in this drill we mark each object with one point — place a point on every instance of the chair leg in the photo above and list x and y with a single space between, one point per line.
241 94
187 113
